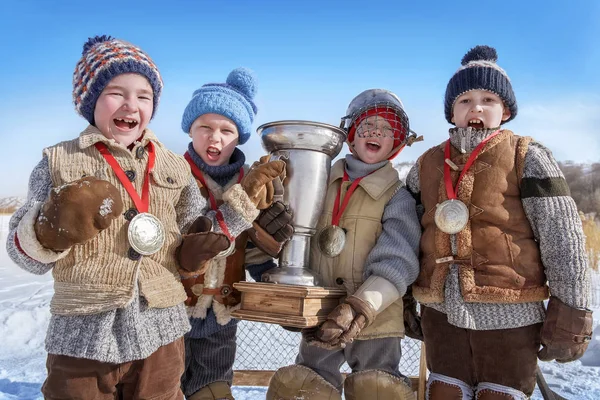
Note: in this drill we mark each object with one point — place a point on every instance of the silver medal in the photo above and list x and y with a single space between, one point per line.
332 240
451 216
146 234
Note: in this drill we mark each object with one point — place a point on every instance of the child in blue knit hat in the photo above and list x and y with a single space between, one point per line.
219 118
501 234
105 213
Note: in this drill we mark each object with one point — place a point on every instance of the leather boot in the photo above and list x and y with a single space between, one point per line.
299 382
213 391
376 385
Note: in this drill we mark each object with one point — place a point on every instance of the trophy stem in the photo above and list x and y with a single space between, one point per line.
296 252
292 268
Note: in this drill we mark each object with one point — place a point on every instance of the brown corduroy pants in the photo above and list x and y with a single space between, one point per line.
156 377
506 357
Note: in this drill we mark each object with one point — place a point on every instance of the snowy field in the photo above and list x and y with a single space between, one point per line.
24 315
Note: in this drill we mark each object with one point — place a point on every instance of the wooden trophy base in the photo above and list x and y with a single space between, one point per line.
287 305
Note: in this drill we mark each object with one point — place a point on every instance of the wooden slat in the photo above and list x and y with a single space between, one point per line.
280 319
262 378
252 377
307 292
422 379
272 303
321 306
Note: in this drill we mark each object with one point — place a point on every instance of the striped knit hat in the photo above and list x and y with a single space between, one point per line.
480 71
104 58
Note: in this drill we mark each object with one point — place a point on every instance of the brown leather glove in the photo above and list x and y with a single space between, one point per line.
342 325
566 332
199 246
412 319
258 182
272 229
76 212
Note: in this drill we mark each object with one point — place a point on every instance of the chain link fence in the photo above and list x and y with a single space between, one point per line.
269 347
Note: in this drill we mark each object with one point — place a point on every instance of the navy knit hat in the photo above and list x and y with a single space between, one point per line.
480 71
102 59
232 99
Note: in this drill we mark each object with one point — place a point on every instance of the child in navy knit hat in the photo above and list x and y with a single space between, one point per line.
500 234
218 118
105 213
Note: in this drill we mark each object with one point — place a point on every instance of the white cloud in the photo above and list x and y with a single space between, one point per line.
569 126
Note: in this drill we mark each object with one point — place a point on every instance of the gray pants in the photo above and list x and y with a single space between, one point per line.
209 359
361 355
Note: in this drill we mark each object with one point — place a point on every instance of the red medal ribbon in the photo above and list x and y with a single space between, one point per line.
142 204
213 202
337 210
451 190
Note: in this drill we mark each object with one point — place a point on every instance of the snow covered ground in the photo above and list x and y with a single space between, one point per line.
24 315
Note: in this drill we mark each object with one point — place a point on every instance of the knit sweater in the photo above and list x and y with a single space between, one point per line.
122 334
557 228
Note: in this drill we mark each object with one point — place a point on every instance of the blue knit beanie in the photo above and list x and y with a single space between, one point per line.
480 71
102 59
232 99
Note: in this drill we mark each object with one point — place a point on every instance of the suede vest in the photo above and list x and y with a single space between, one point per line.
497 255
99 275
362 222
222 273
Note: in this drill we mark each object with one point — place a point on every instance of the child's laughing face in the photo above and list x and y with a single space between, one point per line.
124 108
374 140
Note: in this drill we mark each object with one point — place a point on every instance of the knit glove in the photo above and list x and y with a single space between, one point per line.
198 246
342 325
272 229
258 182
412 319
76 212
566 332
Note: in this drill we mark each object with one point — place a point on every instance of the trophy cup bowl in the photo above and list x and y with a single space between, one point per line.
289 294
307 149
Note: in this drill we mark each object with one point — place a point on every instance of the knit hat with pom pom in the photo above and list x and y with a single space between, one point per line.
232 99
102 59
480 71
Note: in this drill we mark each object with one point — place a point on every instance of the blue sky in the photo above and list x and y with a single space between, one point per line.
311 59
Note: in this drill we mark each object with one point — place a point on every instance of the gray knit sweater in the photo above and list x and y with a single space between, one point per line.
395 256
120 335
553 216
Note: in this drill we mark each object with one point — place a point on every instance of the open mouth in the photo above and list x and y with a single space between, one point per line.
475 123
373 146
125 123
213 152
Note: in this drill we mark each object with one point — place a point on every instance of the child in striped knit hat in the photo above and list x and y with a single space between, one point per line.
500 234
105 212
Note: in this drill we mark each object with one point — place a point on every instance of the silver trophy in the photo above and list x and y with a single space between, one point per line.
307 149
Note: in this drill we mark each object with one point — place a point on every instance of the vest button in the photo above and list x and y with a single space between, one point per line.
339 281
170 180
129 214
133 255
139 153
130 175
225 290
